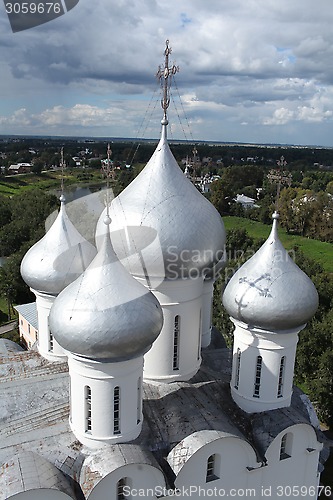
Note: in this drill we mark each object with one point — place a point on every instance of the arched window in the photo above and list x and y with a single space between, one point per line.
257 379
50 342
123 489
237 369
176 337
116 410
200 330
87 395
212 468
286 445
281 377
138 408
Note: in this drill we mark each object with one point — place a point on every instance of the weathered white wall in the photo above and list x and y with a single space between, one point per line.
241 471
234 456
141 476
298 470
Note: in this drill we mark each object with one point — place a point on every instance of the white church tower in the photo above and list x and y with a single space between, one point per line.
105 320
168 236
48 267
269 300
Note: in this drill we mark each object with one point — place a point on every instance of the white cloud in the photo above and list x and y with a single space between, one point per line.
246 67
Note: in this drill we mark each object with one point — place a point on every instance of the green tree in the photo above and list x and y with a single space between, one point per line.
221 196
38 166
5 211
321 387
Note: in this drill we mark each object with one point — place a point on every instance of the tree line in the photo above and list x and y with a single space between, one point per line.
305 206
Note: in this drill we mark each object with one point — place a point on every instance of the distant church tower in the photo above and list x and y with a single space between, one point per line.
269 300
48 267
106 320
168 236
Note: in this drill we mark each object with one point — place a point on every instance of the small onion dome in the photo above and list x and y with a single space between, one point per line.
270 291
161 225
106 313
58 258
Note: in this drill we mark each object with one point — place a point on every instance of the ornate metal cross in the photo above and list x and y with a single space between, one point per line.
164 75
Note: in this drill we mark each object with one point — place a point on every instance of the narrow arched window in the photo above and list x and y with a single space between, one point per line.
176 339
237 369
123 489
281 377
286 445
50 342
87 395
138 408
200 330
211 470
257 379
116 410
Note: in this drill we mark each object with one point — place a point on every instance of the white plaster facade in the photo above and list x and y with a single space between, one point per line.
207 309
175 354
105 400
47 345
269 386
239 472
134 478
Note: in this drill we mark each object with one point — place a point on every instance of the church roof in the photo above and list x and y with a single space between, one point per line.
37 421
29 471
270 291
8 347
102 462
58 258
106 313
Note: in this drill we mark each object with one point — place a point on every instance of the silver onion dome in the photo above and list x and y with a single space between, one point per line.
161 225
106 313
270 291
58 258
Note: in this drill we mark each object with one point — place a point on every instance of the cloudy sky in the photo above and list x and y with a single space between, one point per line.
253 71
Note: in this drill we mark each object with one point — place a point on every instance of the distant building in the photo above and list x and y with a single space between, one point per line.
28 323
246 201
77 161
20 168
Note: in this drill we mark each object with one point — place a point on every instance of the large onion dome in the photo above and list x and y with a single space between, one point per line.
58 258
270 291
106 313
161 225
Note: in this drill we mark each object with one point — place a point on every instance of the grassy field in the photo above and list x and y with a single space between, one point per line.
317 250
47 180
